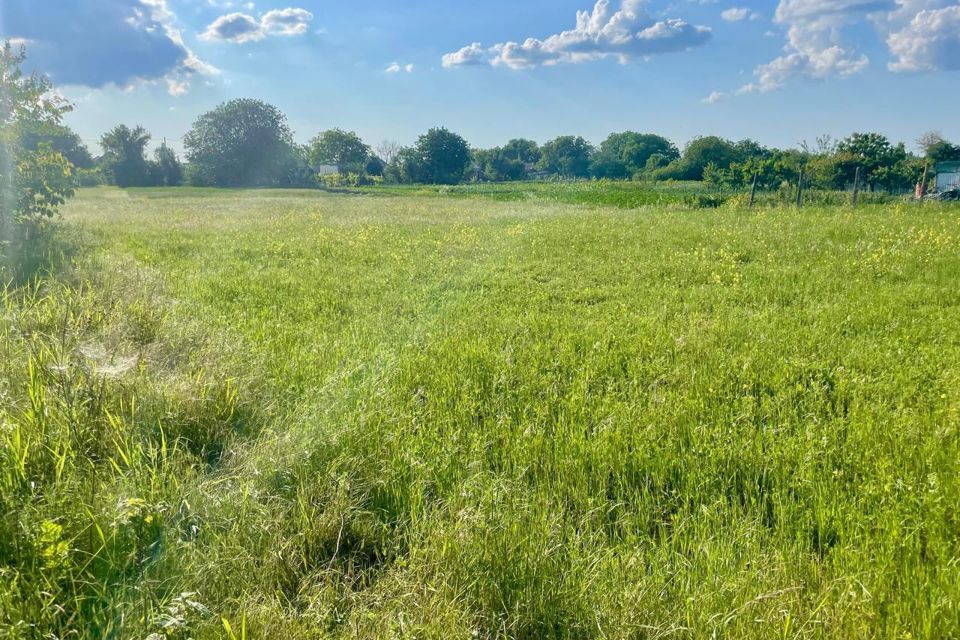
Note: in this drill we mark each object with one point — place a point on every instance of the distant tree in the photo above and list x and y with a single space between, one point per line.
521 150
125 155
405 167
387 151
375 166
497 166
439 157
61 139
928 140
942 151
874 154
166 167
242 143
567 156
343 149
624 155
697 155
33 181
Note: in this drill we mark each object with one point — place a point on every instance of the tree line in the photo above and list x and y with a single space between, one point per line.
248 143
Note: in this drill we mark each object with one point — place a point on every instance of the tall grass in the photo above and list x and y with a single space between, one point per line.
282 414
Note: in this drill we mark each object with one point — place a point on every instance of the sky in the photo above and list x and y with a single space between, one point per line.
777 71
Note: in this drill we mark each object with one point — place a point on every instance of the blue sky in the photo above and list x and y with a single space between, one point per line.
779 71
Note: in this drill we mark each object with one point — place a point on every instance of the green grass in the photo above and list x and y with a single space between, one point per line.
418 416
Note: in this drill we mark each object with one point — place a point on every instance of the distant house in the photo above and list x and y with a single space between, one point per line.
327 170
948 175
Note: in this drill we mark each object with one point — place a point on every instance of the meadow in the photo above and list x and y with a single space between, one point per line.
434 414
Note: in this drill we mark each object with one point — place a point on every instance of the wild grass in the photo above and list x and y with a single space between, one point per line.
298 415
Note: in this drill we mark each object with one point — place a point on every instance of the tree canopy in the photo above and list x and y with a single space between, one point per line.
125 155
34 180
439 157
625 155
344 149
241 143
567 156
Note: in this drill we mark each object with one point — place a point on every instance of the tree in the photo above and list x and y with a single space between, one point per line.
522 150
439 157
125 155
33 181
942 151
698 154
342 148
497 166
61 139
166 168
625 155
874 154
567 156
241 143
387 151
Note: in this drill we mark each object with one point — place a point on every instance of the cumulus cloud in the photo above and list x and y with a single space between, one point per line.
922 35
816 46
625 34
108 42
240 27
931 41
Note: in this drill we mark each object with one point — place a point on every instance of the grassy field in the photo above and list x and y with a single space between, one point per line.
281 414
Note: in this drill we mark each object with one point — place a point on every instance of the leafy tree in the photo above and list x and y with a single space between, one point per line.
33 181
439 157
698 154
567 156
374 166
125 155
497 166
61 139
405 167
522 150
874 154
242 143
624 155
342 148
166 167
942 151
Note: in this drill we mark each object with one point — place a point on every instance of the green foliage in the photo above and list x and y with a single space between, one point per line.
439 157
242 143
943 151
125 156
567 157
626 155
166 170
703 151
35 178
61 139
342 149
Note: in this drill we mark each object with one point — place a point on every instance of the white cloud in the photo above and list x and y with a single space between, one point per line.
714 97
396 67
240 27
816 47
931 41
921 35
625 34
286 22
735 14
